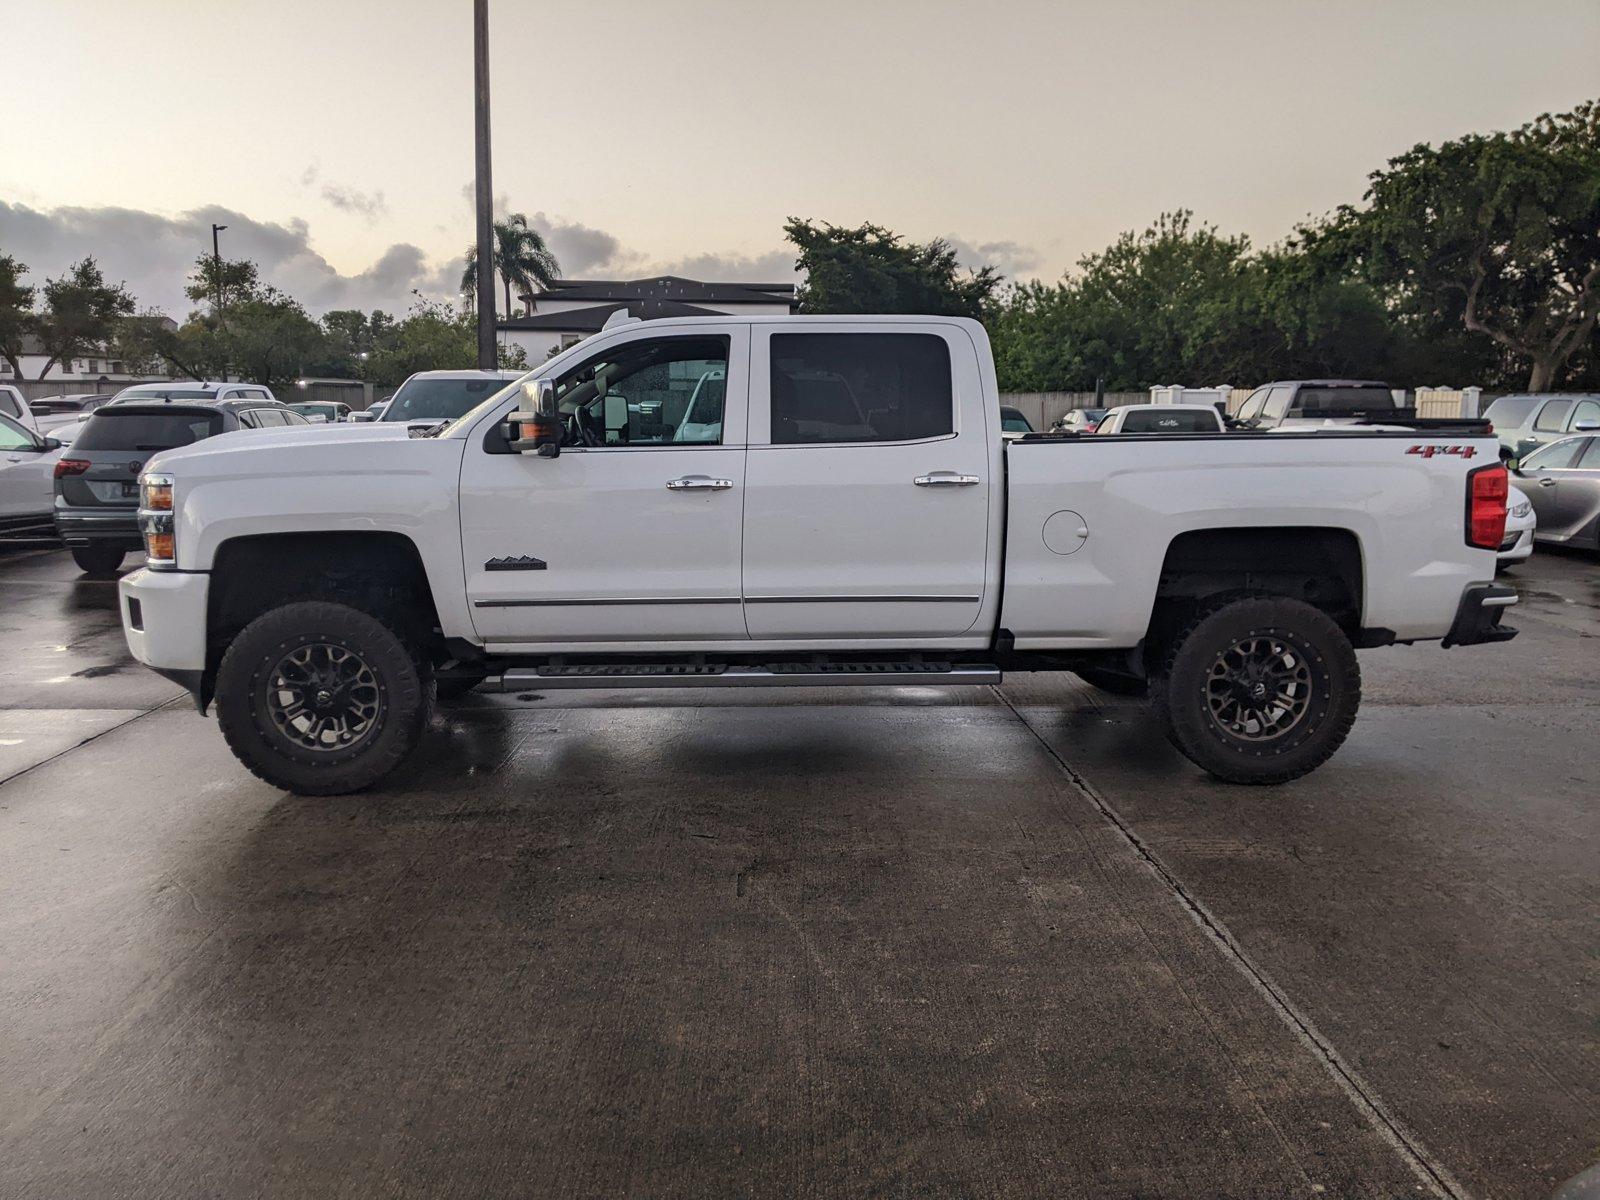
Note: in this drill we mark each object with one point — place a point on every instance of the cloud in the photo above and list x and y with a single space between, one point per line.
154 253
775 266
370 205
1011 259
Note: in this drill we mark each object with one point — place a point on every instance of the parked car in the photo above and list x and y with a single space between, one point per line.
196 390
53 422
433 396
97 483
1523 423
1079 420
15 405
322 412
1311 403
1563 482
546 541
1521 524
1161 418
1013 424
27 462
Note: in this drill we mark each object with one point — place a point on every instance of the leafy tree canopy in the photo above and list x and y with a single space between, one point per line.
870 269
521 259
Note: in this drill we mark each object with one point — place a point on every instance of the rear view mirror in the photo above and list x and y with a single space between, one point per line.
536 425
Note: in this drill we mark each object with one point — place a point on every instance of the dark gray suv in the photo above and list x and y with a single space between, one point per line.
97 477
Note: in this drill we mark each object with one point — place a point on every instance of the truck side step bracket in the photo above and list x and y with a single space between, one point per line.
778 674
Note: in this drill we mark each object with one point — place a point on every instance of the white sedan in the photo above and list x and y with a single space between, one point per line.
27 481
1517 544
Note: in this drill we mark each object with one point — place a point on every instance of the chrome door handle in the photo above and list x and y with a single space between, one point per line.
1547 482
945 479
698 483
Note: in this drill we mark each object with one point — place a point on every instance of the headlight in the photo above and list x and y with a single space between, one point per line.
1522 510
156 521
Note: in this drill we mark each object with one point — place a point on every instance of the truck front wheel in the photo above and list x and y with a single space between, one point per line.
320 699
1260 690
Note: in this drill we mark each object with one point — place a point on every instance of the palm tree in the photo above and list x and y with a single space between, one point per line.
520 257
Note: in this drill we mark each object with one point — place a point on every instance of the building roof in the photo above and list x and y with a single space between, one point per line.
593 318
665 287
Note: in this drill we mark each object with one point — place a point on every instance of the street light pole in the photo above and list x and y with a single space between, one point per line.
485 187
216 262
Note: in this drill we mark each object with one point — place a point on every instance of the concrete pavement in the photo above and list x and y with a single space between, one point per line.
932 942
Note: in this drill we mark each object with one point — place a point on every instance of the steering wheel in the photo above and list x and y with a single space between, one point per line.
584 429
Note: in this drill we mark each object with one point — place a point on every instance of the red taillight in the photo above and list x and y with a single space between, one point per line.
1487 490
71 466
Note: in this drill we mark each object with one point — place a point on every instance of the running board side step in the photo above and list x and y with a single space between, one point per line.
673 675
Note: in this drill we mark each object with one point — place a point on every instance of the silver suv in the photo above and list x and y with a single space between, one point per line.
1524 422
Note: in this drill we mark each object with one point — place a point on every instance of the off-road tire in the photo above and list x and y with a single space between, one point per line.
98 562
244 705
1115 683
1189 682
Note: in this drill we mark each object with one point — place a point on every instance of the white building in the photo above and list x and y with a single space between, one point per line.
96 366
571 309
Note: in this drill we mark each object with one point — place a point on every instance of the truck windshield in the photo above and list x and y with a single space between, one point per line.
440 399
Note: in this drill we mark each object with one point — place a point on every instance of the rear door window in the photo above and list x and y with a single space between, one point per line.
1509 412
860 387
113 428
1553 416
1557 456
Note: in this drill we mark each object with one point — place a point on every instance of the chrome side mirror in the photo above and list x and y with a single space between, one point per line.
1585 425
536 426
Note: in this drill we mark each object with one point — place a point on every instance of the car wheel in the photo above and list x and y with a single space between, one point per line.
320 699
98 562
1261 690
1116 683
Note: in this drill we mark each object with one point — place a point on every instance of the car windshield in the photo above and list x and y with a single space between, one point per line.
440 399
1013 421
1509 412
315 410
110 429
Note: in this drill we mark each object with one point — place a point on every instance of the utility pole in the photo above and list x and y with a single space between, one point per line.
485 186
216 262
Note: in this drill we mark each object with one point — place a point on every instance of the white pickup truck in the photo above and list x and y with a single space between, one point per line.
732 502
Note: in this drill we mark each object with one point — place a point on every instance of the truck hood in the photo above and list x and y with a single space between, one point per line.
290 450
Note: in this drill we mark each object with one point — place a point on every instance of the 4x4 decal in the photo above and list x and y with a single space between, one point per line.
1430 451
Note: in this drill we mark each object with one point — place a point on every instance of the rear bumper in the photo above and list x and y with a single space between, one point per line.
91 527
164 620
1478 616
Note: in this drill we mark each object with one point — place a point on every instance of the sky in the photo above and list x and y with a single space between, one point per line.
334 137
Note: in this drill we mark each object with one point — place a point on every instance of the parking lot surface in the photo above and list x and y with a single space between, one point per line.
990 942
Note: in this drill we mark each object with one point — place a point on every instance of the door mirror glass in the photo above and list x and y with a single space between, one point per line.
616 415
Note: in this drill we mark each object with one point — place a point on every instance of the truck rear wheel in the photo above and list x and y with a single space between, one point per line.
320 699
1260 690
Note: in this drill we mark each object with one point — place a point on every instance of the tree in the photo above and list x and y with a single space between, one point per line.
521 259
1497 233
432 337
240 281
81 312
870 269
16 311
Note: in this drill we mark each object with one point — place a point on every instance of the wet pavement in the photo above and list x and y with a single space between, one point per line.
984 942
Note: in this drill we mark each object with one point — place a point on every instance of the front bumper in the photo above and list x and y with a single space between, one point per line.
1517 546
1478 616
90 527
164 620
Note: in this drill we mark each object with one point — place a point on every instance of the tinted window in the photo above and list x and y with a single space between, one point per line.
1013 421
172 393
110 429
1591 456
1320 402
1555 456
1508 412
650 392
1553 416
441 399
1147 421
860 387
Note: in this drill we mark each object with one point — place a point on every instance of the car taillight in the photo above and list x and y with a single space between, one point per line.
71 466
1487 491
